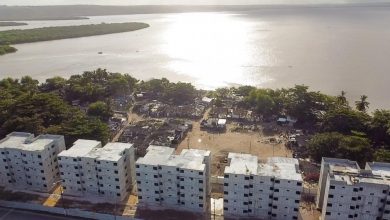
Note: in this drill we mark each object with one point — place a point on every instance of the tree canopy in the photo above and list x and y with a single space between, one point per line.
340 146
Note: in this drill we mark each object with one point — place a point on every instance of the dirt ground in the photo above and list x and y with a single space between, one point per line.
220 144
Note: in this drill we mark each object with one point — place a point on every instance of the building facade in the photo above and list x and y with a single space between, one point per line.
28 162
169 181
348 192
270 190
88 169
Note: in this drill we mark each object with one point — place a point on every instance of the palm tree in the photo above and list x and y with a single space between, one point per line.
362 104
341 99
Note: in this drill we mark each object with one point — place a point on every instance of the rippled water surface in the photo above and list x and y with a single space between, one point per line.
328 48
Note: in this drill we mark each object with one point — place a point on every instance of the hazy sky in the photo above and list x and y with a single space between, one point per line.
192 2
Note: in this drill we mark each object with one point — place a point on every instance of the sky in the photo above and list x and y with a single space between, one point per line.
179 2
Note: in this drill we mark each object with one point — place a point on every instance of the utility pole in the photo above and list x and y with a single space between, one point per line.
250 145
214 208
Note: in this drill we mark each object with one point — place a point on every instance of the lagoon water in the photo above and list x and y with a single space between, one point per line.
329 48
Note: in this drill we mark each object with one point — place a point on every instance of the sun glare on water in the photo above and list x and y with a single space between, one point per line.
213 48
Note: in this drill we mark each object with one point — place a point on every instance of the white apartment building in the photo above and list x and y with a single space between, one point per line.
88 169
270 190
169 181
28 162
347 192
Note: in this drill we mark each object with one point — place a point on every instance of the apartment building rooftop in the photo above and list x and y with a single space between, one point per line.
110 152
349 172
15 139
285 168
80 148
188 159
280 167
377 168
27 142
244 164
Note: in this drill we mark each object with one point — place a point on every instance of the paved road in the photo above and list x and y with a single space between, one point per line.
12 214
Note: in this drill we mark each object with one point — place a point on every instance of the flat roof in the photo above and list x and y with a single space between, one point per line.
80 148
188 159
382 169
349 172
27 142
279 167
245 164
110 152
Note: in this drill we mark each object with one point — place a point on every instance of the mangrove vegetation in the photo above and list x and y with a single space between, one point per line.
55 33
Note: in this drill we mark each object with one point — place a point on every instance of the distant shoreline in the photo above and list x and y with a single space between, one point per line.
65 32
76 12
11 24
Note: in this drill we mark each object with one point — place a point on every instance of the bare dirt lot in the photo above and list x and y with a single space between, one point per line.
220 144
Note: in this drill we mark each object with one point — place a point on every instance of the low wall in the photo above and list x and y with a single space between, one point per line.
60 211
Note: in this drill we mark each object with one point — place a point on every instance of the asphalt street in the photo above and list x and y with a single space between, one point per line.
14 214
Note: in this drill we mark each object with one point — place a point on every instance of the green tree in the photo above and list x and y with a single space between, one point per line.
29 84
342 99
181 93
101 110
379 128
307 106
81 127
362 105
262 102
53 84
340 146
244 90
345 121
382 155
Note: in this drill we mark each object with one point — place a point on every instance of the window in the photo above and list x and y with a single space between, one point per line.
115 164
201 205
332 187
200 181
138 174
200 173
226 184
224 192
330 196
329 204
226 176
